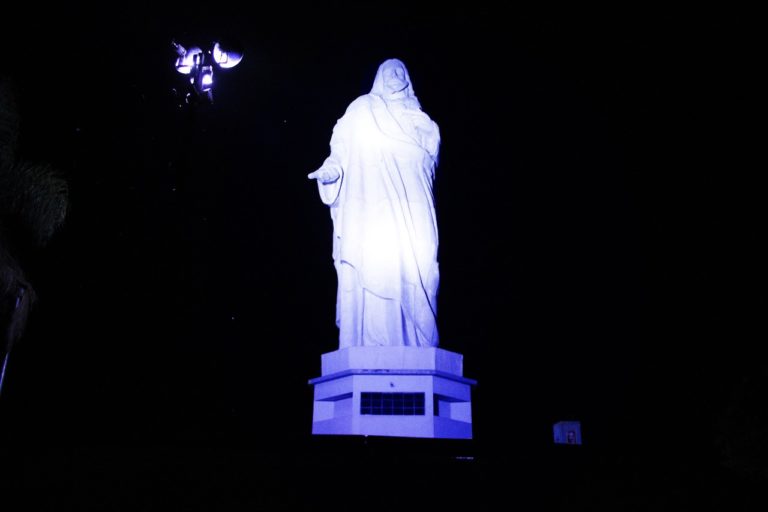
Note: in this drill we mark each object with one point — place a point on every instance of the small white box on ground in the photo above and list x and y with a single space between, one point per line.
567 432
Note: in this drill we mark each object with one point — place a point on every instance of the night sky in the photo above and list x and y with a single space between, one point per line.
598 222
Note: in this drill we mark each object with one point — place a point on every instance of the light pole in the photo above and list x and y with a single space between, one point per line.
199 65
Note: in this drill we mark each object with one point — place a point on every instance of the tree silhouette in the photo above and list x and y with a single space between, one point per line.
33 205
742 426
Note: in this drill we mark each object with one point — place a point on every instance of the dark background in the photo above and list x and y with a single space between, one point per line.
598 230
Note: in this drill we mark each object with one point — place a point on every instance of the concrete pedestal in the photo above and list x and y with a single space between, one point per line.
393 391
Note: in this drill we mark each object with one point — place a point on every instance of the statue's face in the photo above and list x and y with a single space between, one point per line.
394 77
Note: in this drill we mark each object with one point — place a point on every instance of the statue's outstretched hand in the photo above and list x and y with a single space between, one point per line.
324 175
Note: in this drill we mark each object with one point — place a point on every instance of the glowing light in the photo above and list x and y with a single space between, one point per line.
226 57
187 62
198 66
567 432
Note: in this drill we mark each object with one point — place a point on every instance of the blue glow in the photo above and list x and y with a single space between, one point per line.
226 59
190 59
567 432
2 371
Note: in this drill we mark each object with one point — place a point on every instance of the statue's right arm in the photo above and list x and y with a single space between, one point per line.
325 175
331 174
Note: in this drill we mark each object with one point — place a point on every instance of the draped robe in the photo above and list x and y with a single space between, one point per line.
384 226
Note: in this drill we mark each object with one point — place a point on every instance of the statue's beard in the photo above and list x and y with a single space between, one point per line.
395 85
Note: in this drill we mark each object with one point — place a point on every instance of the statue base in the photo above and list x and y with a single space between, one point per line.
393 391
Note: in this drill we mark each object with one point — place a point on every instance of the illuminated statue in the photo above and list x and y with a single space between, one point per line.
377 182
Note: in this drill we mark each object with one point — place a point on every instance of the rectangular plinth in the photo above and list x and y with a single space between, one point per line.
393 391
392 358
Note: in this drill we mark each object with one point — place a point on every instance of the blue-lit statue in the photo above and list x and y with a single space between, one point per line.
377 182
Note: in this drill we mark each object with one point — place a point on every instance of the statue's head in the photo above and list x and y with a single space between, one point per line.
393 72
392 80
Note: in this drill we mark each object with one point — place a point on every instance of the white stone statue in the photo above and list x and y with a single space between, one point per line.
377 182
